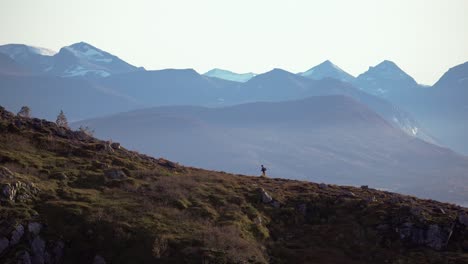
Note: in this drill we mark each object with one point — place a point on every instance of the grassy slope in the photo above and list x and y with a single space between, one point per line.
166 213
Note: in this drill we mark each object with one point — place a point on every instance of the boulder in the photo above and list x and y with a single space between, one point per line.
463 219
38 250
115 145
8 192
115 174
4 243
365 187
34 228
167 163
5 173
16 235
323 186
438 237
18 191
275 204
266 198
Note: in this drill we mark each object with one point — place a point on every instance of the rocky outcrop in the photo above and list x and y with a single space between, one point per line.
463 219
38 250
115 145
34 228
5 173
267 199
16 235
167 163
433 236
323 186
18 191
115 174
26 245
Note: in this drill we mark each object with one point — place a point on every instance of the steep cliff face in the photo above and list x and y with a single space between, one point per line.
67 197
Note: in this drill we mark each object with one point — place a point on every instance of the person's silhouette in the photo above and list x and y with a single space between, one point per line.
264 171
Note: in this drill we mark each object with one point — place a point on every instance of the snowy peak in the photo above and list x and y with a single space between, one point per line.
83 59
327 69
386 70
229 75
86 51
77 60
17 51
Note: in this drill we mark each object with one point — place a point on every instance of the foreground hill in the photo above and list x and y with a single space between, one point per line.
333 139
70 198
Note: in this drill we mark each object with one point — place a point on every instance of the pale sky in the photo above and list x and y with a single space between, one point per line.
424 37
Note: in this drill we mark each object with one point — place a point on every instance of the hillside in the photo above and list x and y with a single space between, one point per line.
334 139
70 198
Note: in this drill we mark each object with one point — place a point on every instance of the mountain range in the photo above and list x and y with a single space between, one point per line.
98 83
77 60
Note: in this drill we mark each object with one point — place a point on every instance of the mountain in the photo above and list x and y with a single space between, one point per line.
70 198
229 75
171 87
47 95
77 60
135 88
279 85
324 138
387 80
9 66
327 69
455 78
83 59
445 109
35 59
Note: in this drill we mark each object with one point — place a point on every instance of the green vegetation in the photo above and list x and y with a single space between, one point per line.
101 199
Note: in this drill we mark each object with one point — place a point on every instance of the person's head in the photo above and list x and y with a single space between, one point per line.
262 165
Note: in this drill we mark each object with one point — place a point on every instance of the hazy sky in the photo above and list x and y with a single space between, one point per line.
424 37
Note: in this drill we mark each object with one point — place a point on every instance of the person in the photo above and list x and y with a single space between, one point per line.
263 171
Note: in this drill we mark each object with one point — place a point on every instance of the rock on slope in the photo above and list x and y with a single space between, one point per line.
67 197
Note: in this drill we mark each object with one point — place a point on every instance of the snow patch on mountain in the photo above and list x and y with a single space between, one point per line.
229 75
86 51
81 71
42 51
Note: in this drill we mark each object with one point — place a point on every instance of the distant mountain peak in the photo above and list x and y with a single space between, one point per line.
456 76
15 50
88 51
386 70
229 75
327 69
276 72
